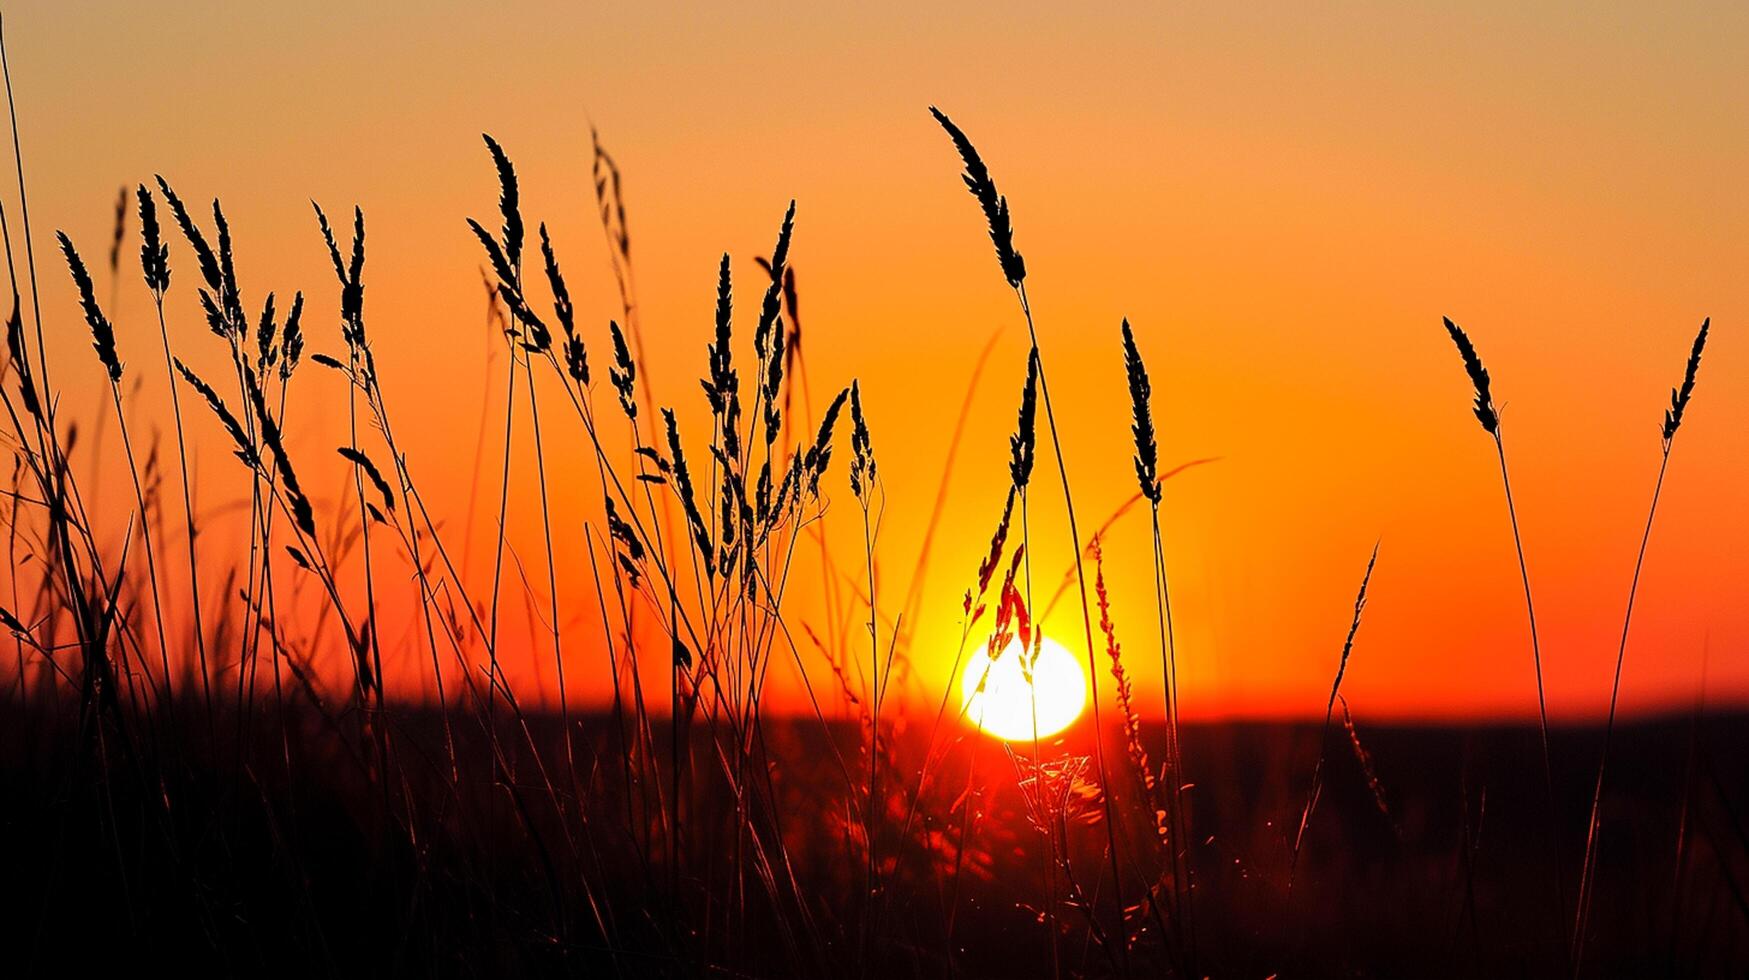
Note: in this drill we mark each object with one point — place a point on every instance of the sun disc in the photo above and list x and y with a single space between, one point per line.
998 698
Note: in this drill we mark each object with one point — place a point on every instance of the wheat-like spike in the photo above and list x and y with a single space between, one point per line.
1142 415
624 373
15 348
577 360
726 539
998 541
355 268
772 304
562 307
349 273
1354 624
995 206
292 344
265 334
773 386
820 453
245 449
1679 396
352 284
683 483
762 492
102 334
722 379
1484 408
790 309
363 462
203 253
731 426
509 202
494 253
328 239
790 484
623 532
862 461
1022 444
215 317
230 298
302 512
154 254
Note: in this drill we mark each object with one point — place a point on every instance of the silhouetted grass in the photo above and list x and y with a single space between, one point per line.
1679 397
266 779
995 207
1489 417
1329 711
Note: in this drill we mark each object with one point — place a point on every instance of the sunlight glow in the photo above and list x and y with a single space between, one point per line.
1005 706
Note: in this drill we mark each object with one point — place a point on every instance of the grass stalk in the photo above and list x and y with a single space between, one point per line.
1673 417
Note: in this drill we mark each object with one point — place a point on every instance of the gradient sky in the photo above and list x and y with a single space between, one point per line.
1283 200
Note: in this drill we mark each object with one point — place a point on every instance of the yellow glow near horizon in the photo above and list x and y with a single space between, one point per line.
1007 705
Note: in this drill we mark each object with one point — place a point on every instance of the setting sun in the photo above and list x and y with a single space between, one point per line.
1005 705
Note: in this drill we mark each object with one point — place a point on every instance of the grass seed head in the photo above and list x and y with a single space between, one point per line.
1142 417
102 333
1679 396
1022 444
1484 407
994 205
154 254
203 253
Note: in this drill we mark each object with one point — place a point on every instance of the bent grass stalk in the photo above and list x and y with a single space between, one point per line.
1489 417
154 261
1679 398
1140 765
1317 787
103 340
1147 466
1022 446
995 207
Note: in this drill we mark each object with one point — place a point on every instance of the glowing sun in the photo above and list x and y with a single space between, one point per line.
999 700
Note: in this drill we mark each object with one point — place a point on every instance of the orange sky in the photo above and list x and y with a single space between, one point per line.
1284 203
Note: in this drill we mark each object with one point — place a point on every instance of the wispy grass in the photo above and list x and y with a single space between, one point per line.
1147 466
1317 786
1673 417
995 208
1489 417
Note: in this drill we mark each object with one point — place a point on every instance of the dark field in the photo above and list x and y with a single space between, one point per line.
256 872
